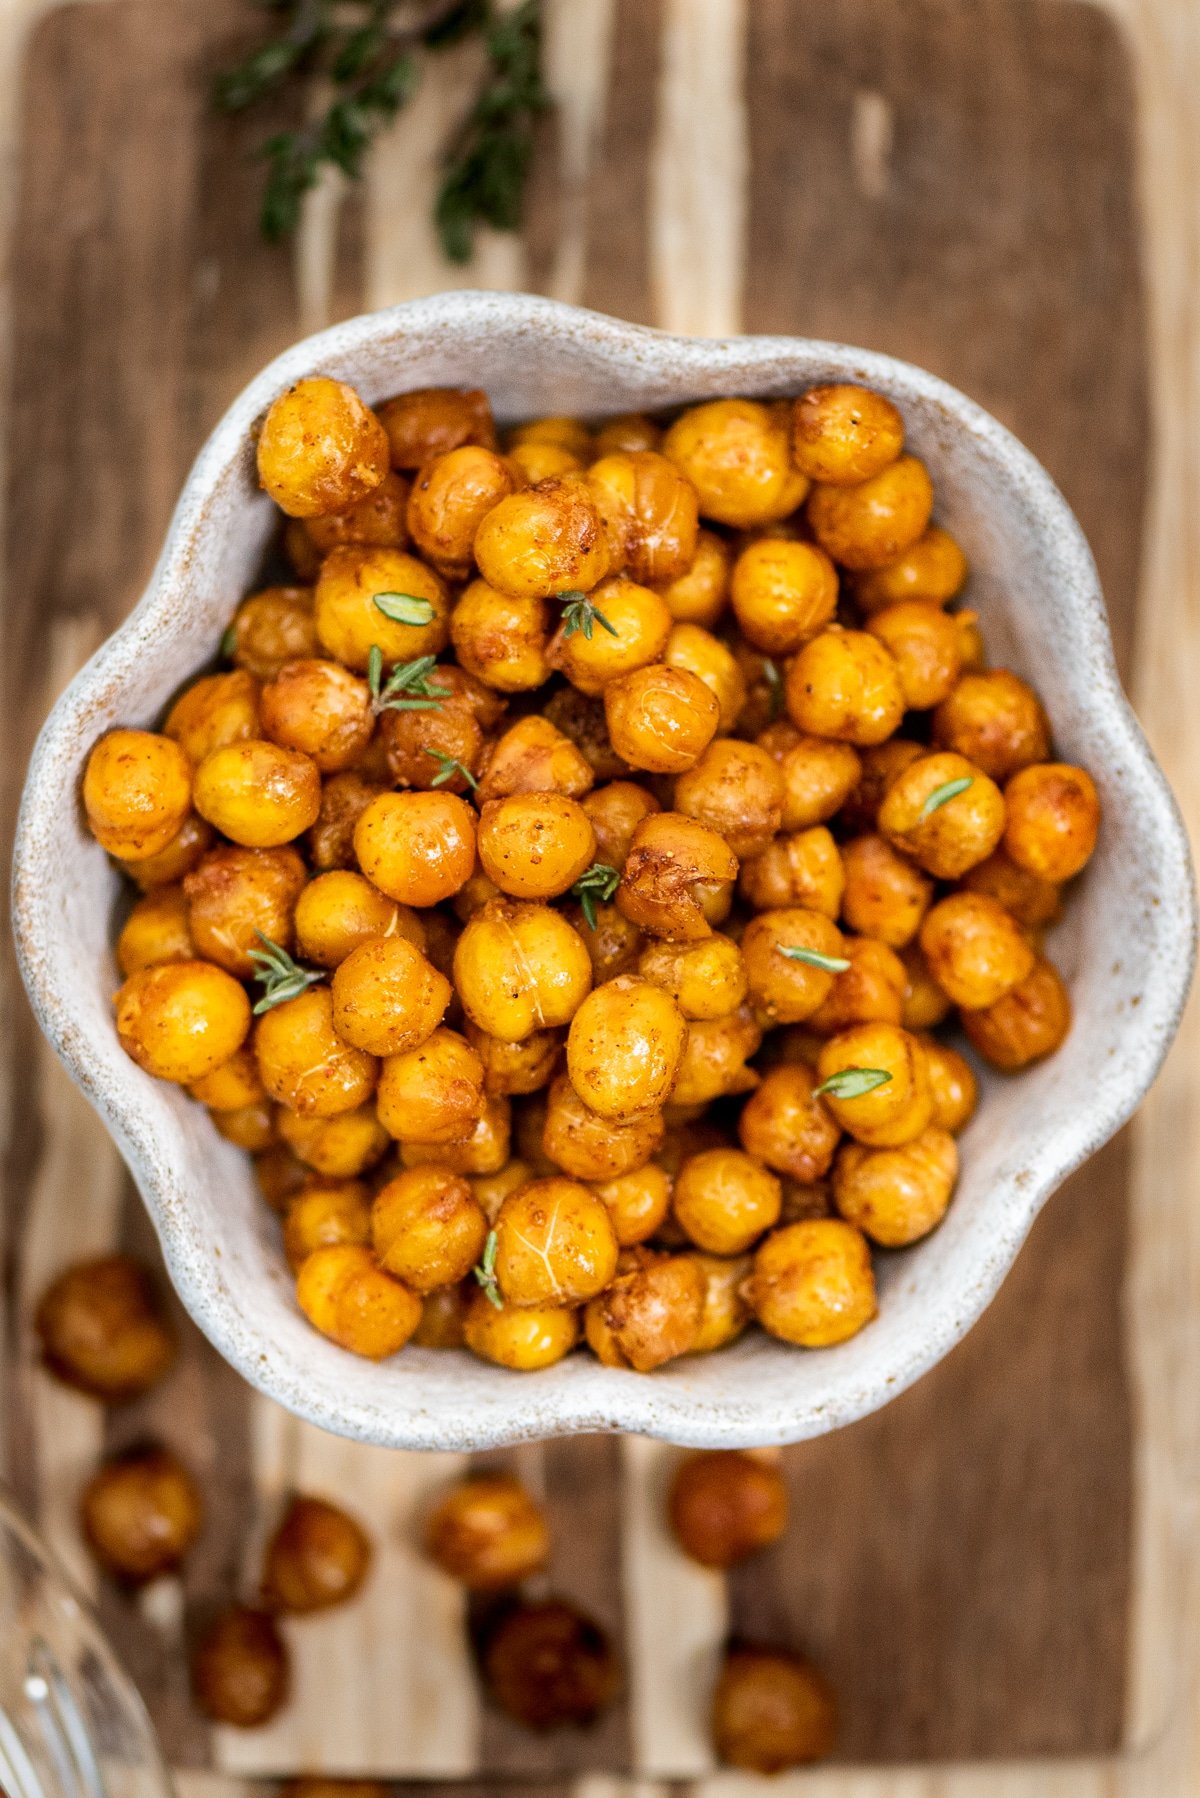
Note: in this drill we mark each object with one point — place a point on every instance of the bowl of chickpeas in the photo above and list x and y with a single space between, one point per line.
605 881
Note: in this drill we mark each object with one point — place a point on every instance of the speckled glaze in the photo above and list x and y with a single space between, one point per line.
1126 947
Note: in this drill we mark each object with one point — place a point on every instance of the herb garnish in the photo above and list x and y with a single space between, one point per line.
597 882
281 977
485 1273
579 614
408 687
829 964
405 608
852 1083
450 766
940 796
774 682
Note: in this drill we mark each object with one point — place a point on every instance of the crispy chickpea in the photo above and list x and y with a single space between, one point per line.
442 745
892 1111
555 1244
657 510
141 1513
705 979
736 790
582 718
427 1227
257 793
725 1507
818 775
418 848
180 1020
305 1064
812 1283
533 756
882 763
543 541
785 1127
273 627
772 1710
530 463
137 792
377 519
970 642
615 812
232 1085
321 1216
844 434
349 622
432 1093
696 651
846 685
320 449
636 632
237 896
944 813
568 433
344 799
698 595
932 569
535 845
678 878
995 720
450 498
724 1200
550 1666
626 431
488 1533
736 454
588 1147
214 711
625 1046
783 593
975 950
501 639
612 943
925 1004
1053 819
251 1127
347 1297
870 524
337 912
637 1202
925 644
484 1150
319 708
280 1175
521 1067
491 1190
871 990
520 1337
181 854
155 931
338 1148
896 1196
1027 1024
102 1329
432 420
715 1056
651 1313
240 1670
387 998
1032 901
318 1557
443 1312
726 1313
785 988
953 1084
802 869
520 968
885 896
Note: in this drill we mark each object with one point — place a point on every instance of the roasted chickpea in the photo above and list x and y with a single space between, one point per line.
945 813
698 595
443 1313
655 508
896 1196
141 1513
1053 819
450 498
560 429
236 896
678 878
347 1297
432 420
927 650
535 845
491 1190
726 1313
312 1787
521 1067
555 1244
846 685
786 987
818 775
533 756
613 943
214 711
257 793
180 1020
319 708
232 1085
543 541
441 745
520 968
240 1670
975 950
280 1175
844 434
534 462
783 1125
925 1004
488 1533
736 454
812 1283
772 1710
953 1084
637 1202
520 1337
318 1557
724 1201
337 912
626 431
724 1507
888 1112
273 627
189 843
305 1063
629 631
344 799
349 622
501 639
484 1150
137 792
387 998
427 1228
885 896
933 569
1027 1024
697 651
251 1127
882 763
102 1330
1032 901
582 718
323 1215
378 519
550 1666
155 931
432 1093
418 848
803 869
783 593
715 1057
736 790
320 449
588 1147
651 1314
625 1046
338 1148
870 990
873 522
615 812
706 979
995 720
661 719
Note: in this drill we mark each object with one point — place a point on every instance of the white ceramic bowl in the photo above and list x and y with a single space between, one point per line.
1126 947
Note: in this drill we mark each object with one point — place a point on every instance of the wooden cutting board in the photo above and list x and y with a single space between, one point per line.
948 180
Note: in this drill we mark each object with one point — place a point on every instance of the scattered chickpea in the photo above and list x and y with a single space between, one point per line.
141 1512
550 1666
488 1533
724 1507
317 1557
772 1710
240 1670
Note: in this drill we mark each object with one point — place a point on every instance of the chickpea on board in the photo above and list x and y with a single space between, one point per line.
559 887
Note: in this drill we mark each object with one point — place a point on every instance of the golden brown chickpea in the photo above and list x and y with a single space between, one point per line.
873 522
650 1314
443 1314
236 896
889 1112
844 434
626 431
655 510
431 420
566 432
530 463
637 1202
555 1244
803 869
349 622
844 684
697 651
347 1297
318 1557
280 1175
257 793
925 1004
1053 819
491 1190
234 1084
141 1513
249 1127
715 1056
783 593
427 1227
180 1020
882 763
588 1147
550 1666
432 1093
724 1201
520 968
214 711
533 756
387 998
1027 1024
615 812
184 850
818 775
812 1283
725 1507
624 1048
925 644
137 792
320 449
450 498
970 640
612 943
953 1084
535 845
543 541
319 708
975 950
885 896
737 456
944 813
995 721
933 569
344 798
305 1064
678 878
698 595
272 627
521 1067
323 1215
582 718
1032 901
338 1148
240 1670
896 1196
871 990
155 931
726 1313
488 1533
441 745
772 1710
337 912
785 987
418 848
378 519
785 1127
635 634
102 1330
522 1338
472 897
501 639
483 1151
736 790
706 979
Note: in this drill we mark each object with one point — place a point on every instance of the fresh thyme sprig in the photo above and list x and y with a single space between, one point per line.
485 1273
405 608
942 795
450 766
281 978
774 682
829 964
579 614
599 882
852 1083
408 687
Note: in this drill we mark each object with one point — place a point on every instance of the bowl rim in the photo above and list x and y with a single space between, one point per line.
636 1404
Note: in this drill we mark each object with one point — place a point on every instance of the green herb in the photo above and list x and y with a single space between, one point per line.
597 882
579 614
405 608
281 978
367 53
485 1273
774 682
852 1083
229 642
830 964
408 687
449 768
943 794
